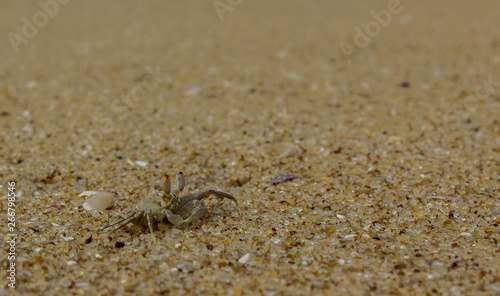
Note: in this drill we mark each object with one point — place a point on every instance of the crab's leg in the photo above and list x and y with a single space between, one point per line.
205 194
114 221
150 225
136 215
122 220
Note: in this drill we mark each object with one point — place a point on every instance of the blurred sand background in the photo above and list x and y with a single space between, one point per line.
389 115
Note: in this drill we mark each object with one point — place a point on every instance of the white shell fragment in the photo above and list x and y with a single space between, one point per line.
350 236
141 163
244 259
87 193
68 238
465 234
99 201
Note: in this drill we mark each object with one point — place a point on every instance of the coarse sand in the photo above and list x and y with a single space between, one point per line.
378 123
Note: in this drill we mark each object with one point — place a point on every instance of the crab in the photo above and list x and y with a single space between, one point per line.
166 203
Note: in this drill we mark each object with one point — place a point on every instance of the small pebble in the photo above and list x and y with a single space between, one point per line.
30 84
192 91
437 263
244 259
100 201
141 163
278 150
71 262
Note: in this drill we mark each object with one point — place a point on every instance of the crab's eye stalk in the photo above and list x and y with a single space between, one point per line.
165 183
180 182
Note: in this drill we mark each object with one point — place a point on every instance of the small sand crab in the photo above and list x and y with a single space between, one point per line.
166 204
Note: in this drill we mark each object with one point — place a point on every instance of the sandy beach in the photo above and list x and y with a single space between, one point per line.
361 140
